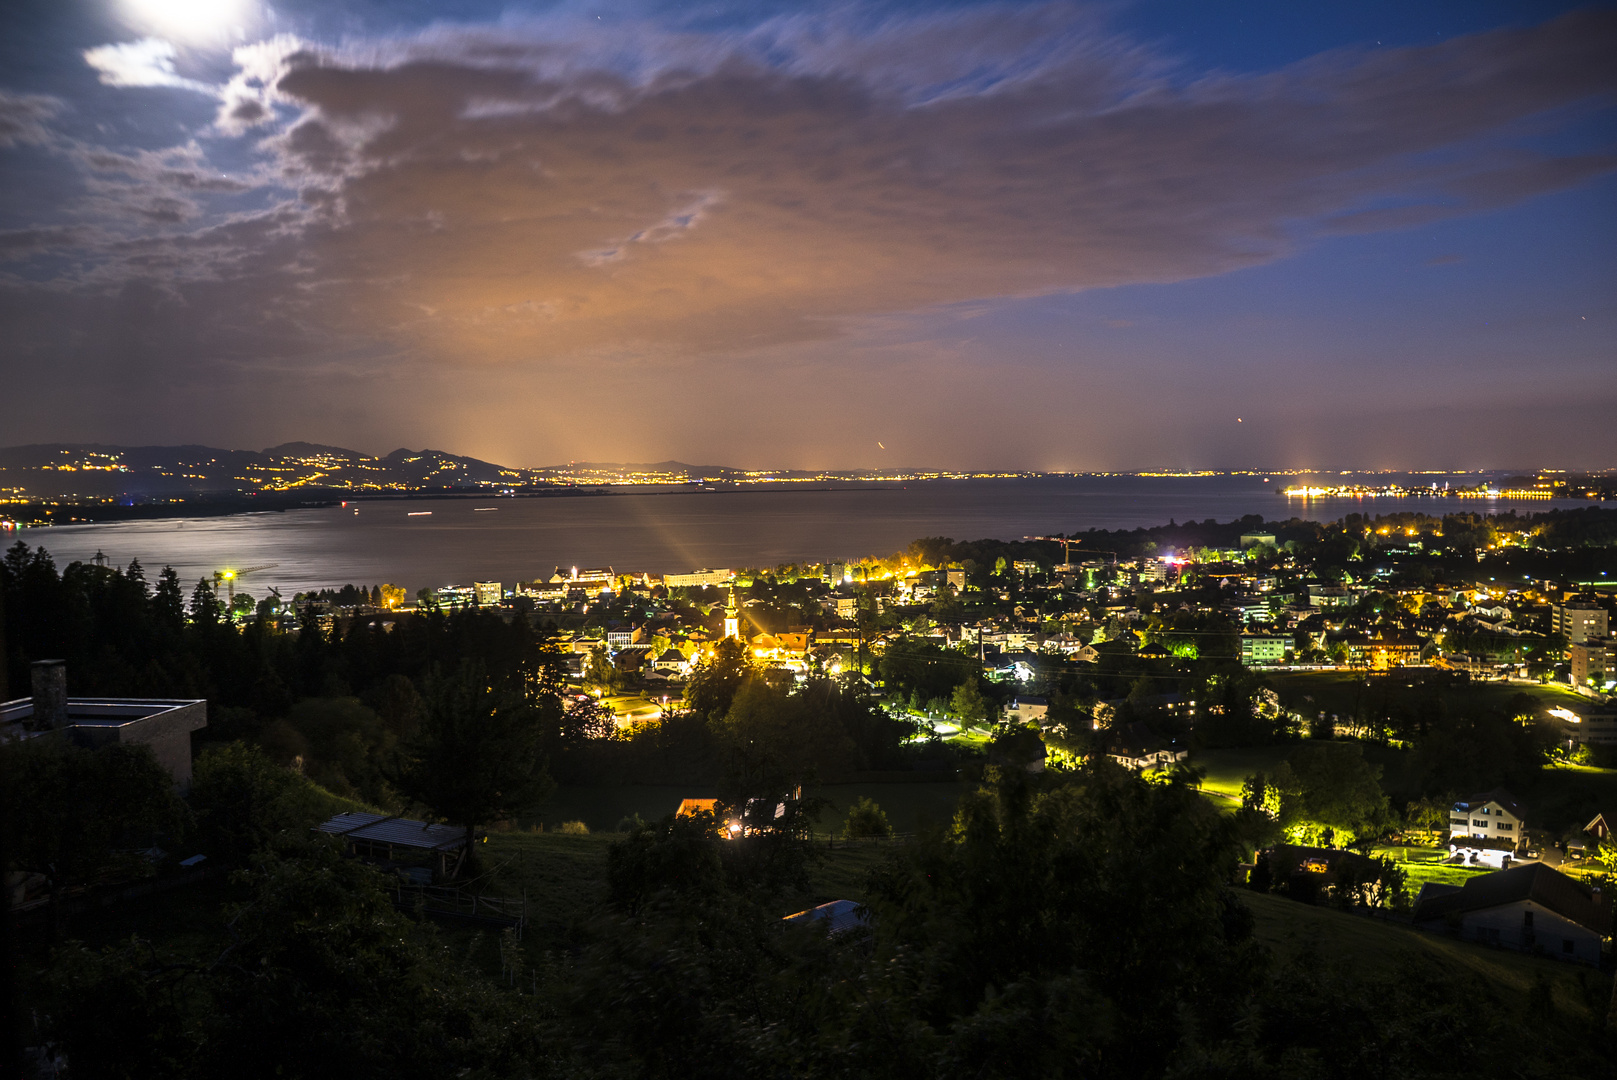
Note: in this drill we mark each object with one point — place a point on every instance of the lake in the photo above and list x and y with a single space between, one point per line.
435 542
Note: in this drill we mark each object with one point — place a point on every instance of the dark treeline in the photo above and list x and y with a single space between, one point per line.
122 633
336 697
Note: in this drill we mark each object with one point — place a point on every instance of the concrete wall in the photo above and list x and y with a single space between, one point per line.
169 736
168 733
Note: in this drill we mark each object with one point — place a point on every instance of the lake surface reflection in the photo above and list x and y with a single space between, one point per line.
460 540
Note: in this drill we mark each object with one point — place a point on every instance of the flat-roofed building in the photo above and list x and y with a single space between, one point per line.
487 593
1579 621
1588 721
164 724
1259 649
1593 662
700 579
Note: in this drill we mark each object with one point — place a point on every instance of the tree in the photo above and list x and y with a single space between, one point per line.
1340 790
713 684
866 819
244 801
319 966
478 756
1045 925
598 670
778 738
968 705
1430 815
587 719
206 610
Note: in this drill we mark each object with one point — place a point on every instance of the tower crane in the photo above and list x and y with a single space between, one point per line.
1066 543
228 579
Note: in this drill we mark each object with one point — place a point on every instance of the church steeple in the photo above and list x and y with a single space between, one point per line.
732 617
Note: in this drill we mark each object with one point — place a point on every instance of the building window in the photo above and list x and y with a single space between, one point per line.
1480 824
1527 918
1566 945
1503 826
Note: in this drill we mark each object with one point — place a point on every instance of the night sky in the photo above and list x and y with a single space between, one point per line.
1050 236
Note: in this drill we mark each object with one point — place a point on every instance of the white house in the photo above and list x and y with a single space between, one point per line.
1492 815
1533 908
1136 746
671 662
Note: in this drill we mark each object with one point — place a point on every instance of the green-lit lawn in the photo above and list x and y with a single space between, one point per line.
1423 864
633 707
1228 769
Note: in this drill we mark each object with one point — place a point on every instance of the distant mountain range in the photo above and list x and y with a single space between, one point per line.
92 472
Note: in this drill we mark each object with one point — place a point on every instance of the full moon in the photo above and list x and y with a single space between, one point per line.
194 21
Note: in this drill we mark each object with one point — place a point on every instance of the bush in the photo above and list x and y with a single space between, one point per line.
866 819
573 828
243 801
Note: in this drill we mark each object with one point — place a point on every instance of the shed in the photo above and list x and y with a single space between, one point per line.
396 839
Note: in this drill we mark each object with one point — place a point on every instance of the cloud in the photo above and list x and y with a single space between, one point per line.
889 174
19 244
147 62
24 118
552 201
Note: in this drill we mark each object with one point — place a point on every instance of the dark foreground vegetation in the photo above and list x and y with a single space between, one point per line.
1076 925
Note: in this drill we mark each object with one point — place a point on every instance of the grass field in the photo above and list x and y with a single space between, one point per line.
633 708
1228 769
1340 691
564 876
565 881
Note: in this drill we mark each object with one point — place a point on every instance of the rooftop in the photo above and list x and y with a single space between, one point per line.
95 712
1534 882
396 831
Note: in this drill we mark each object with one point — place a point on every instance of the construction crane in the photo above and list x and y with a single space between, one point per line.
228 579
1066 554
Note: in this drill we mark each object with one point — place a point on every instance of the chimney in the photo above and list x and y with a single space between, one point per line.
50 693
